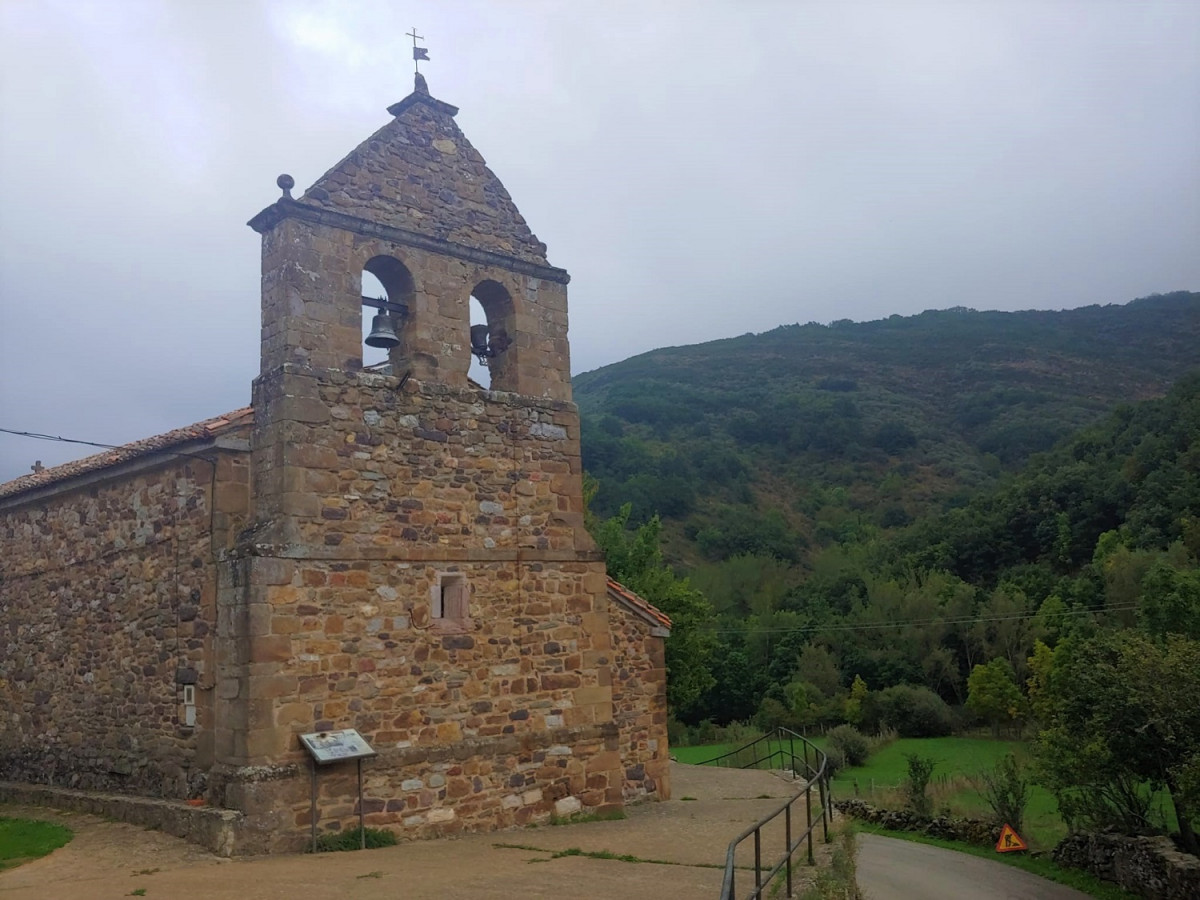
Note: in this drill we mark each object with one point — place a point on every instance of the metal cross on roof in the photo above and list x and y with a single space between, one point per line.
419 53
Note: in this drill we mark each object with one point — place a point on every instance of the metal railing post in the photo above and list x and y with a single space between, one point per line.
757 861
788 847
824 811
808 815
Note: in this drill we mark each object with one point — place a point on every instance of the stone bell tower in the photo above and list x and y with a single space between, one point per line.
418 568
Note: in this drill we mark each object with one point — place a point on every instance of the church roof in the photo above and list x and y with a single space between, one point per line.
637 605
419 173
206 430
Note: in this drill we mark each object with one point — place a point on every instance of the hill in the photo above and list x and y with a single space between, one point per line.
810 435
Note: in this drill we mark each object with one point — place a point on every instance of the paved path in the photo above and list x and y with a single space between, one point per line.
109 860
891 869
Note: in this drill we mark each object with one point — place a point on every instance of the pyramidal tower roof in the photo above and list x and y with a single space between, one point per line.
419 173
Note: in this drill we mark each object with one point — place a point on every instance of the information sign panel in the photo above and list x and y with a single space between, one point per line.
336 746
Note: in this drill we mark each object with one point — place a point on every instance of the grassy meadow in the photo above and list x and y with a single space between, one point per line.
959 761
22 840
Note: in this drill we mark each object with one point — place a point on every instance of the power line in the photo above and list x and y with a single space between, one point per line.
916 623
66 440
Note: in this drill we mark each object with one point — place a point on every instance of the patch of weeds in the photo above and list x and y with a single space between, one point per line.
351 839
763 797
145 872
687 798
530 847
22 840
140 892
629 858
602 854
837 880
376 874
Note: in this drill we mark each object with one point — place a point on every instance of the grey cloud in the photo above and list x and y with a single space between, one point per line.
703 170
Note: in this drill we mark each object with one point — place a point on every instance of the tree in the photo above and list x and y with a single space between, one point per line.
854 703
1006 790
993 695
1171 601
1121 715
634 558
1041 663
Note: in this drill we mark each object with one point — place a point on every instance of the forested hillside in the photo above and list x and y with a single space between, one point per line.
810 436
893 547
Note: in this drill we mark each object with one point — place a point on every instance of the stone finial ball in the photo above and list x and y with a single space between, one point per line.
285 182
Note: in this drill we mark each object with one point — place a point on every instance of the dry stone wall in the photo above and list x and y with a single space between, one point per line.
1149 867
108 600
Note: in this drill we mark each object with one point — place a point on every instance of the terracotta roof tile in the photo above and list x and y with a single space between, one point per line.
629 599
209 428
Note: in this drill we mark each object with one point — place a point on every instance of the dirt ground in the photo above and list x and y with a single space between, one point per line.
681 843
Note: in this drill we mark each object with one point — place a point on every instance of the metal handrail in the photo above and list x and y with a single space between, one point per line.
818 776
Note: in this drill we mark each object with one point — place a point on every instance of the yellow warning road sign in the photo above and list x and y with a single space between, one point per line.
1009 840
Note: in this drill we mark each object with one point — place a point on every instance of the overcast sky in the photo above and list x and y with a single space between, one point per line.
701 169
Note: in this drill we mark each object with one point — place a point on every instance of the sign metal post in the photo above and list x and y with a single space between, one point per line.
328 747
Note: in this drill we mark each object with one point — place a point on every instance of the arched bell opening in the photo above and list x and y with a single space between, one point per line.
388 291
479 372
492 331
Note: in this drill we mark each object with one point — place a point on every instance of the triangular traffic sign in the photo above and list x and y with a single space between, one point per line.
1009 840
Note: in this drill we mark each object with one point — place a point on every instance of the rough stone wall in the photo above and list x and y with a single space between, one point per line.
312 312
1147 866
419 172
640 706
108 602
495 721
499 718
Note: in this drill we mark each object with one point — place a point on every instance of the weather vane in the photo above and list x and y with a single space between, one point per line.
419 53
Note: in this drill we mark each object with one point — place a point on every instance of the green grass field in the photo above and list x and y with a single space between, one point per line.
703 753
24 839
958 762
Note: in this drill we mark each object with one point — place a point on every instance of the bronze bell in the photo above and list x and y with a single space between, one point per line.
479 343
383 331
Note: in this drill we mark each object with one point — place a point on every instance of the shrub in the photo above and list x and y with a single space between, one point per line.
1006 791
912 711
835 760
853 744
351 839
881 739
920 770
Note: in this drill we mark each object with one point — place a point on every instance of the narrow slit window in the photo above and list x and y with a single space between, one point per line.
450 598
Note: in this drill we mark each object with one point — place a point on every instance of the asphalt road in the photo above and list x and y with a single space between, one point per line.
890 869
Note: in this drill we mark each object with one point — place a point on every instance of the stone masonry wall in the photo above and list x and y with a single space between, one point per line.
1151 867
640 706
500 721
419 172
367 468
108 599
501 717
312 311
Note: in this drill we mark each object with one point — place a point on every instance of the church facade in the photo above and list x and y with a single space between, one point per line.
392 548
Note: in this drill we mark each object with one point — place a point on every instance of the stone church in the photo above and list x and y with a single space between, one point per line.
390 548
